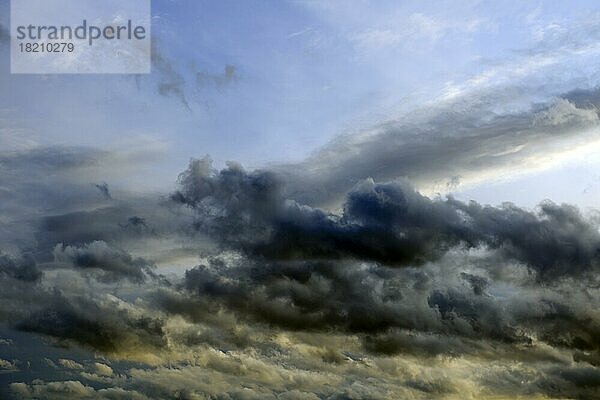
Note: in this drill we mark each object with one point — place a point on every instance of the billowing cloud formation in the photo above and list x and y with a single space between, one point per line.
393 294
23 270
72 390
297 302
106 263
387 223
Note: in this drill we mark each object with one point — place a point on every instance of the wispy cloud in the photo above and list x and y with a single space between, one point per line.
414 28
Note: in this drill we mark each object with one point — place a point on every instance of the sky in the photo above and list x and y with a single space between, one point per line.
309 200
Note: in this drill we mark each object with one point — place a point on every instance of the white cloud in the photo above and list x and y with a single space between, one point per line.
6 365
69 364
103 369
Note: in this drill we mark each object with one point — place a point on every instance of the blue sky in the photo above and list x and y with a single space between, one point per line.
303 72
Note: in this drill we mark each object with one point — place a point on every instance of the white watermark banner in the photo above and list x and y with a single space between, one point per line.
80 36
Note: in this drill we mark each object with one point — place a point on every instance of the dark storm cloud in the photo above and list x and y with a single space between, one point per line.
393 271
443 144
24 269
99 324
57 309
420 312
105 263
52 213
308 269
389 223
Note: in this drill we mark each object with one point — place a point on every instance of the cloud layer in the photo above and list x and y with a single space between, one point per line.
241 284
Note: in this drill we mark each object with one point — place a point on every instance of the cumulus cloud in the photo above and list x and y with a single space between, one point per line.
24 269
72 390
105 324
390 223
103 369
70 364
392 293
106 264
6 365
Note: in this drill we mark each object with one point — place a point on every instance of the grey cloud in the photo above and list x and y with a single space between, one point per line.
577 381
292 296
99 324
104 189
393 310
24 269
170 81
462 138
105 263
228 76
48 199
81 227
388 223
55 179
50 158
584 99
310 270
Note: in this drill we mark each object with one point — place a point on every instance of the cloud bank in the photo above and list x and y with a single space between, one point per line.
338 277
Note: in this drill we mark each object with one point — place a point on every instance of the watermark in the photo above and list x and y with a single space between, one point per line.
80 36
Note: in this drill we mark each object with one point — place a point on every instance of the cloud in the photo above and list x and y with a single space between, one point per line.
70 364
473 278
337 277
72 390
6 365
48 198
104 189
389 223
105 263
24 269
563 112
170 81
393 293
464 138
102 323
103 369
228 76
